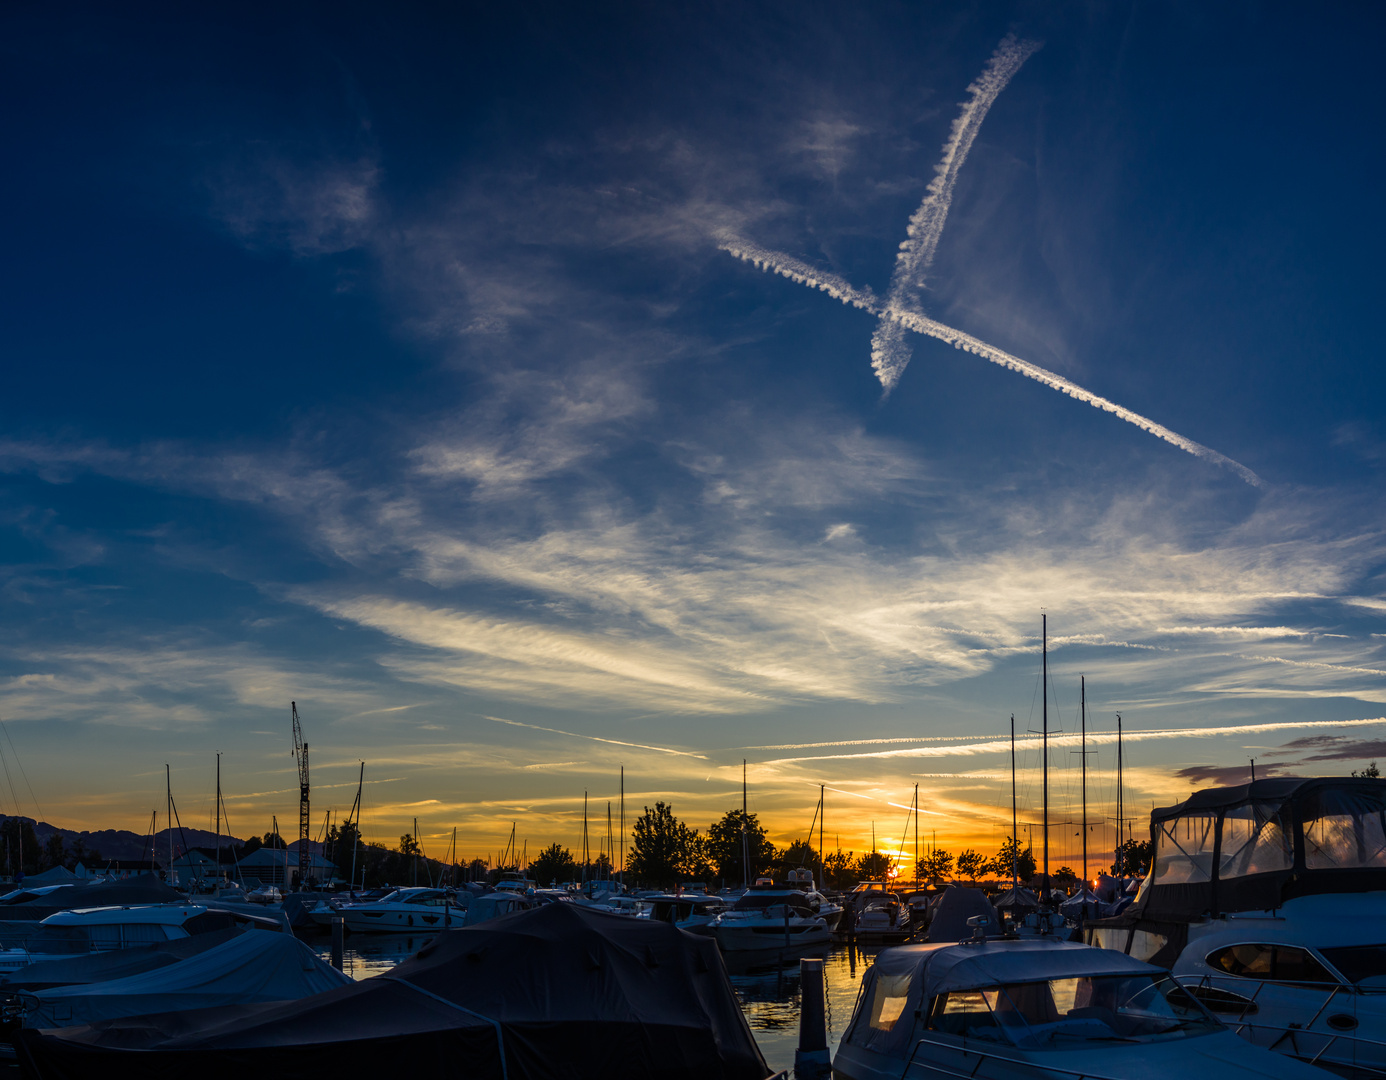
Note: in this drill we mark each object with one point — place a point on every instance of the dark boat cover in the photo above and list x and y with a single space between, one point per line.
561 990
113 963
955 907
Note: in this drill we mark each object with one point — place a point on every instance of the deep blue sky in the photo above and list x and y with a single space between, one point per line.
391 362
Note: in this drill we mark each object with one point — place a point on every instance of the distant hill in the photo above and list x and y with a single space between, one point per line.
123 844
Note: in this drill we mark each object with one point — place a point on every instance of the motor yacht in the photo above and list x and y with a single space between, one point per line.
403 910
694 912
769 917
1268 901
883 922
830 912
87 930
1039 1008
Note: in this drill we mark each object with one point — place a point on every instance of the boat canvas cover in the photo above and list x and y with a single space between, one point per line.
114 963
999 963
955 907
1255 846
251 967
560 990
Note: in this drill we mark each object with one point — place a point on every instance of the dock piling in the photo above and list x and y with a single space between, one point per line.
338 941
811 1059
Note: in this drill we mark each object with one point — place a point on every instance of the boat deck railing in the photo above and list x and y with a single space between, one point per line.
984 1056
1293 1032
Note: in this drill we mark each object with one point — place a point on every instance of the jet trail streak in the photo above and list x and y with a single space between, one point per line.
889 352
836 287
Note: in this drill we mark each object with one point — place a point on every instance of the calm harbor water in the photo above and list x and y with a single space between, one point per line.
767 985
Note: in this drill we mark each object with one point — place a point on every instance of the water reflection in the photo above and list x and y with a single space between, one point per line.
368 954
768 989
766 983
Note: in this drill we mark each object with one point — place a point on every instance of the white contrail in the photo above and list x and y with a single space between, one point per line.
889 351
595 738
801 272
1000 745
836 287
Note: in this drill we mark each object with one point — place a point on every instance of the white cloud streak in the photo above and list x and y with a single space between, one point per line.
889 351
1098 738
795 270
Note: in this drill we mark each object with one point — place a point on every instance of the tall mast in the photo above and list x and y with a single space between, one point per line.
609 860
1015 831
916 834
623 824
356 836
1044 676
1083 704
585 852
745 840
168 788
822 864
218 816
1120 862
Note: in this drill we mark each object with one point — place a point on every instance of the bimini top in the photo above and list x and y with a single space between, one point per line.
947 968
1252 847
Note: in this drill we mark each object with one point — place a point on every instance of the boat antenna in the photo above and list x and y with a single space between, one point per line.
1044 677
1015 829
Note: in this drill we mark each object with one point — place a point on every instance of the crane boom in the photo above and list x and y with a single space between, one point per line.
301 756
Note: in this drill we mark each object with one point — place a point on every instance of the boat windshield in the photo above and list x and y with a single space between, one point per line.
753 901
1363 965
1063 1013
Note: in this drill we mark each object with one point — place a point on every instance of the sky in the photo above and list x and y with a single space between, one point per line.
535 392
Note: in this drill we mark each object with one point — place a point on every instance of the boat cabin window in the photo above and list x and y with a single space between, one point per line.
888 998
1254 841
1184 849
1063 1013
1271 963
967 1013
1363 965
1345 829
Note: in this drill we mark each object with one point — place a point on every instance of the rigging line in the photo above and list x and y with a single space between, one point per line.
10 781
14 750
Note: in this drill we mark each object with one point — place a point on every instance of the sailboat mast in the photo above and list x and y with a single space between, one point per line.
1083 704
1120 862
822 864
585 853
1044 677
356 836
168 789
623 824
218 815
916 834
745 840
1015 830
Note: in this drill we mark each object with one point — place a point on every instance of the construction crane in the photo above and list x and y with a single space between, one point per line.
301 756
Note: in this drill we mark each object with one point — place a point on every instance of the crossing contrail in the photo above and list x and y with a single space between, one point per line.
836 287
890 352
